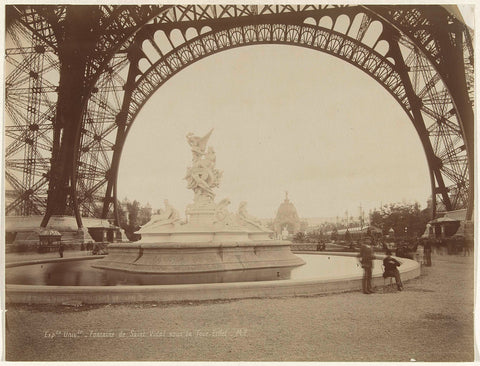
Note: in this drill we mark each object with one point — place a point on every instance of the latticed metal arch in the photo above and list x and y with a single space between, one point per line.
392 76
352 51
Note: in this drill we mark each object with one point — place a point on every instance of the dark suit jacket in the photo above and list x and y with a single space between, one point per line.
390 265
366 256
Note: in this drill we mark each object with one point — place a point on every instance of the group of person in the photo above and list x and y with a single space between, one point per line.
390 264
424 257
421 252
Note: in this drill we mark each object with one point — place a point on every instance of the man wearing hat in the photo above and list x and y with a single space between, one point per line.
391 269
366 257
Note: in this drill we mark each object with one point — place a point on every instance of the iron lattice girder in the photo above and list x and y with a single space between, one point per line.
40 21
432 29
99 38
51 26
30 107
447 44
118 24
443 127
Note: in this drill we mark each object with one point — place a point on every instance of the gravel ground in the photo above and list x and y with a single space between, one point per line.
432 320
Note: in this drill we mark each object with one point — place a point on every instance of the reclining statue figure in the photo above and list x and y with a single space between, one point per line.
163 217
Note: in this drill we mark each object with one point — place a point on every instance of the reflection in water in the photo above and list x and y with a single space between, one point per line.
81 273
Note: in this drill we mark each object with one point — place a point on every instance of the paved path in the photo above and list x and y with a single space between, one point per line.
432 320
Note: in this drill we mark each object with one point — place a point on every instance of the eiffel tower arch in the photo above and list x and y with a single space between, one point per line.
77 76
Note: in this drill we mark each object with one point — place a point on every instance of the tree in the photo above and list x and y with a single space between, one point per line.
98 210
404 219
314 236
145 214
299 237
334 234
135 216
122 216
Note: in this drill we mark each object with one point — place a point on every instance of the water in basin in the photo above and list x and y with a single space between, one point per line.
81 273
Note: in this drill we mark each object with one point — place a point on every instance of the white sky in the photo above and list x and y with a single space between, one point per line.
285 118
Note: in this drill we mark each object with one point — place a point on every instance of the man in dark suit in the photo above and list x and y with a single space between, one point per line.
427 253
366 259
391 269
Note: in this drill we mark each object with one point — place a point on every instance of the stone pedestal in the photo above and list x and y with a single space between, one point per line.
170 258
201 214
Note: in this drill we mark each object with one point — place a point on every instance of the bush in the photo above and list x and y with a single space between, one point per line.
299 237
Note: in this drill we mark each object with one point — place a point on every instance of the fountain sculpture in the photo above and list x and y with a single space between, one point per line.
211 239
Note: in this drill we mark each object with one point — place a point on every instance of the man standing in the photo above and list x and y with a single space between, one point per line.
366 259
61 248
427 253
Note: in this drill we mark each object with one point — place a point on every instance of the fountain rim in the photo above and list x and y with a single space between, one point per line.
203 245
58 295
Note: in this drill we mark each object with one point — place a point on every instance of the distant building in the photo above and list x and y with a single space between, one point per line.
449 223
287 216
317 222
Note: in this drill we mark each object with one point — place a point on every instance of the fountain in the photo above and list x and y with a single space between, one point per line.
214 254
211 239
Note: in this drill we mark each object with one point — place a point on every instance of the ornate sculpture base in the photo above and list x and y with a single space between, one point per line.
206 243
206 224
212 239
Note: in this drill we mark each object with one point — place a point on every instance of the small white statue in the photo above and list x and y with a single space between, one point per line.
222 214
163 217
246 217
198 144
243 214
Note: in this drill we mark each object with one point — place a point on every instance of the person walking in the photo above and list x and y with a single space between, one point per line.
427 253
390 264
348 238
466 247
419 253
366 257
61 248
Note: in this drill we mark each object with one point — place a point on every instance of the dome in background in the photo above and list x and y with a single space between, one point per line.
287 216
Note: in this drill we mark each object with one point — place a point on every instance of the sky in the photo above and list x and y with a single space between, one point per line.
285 118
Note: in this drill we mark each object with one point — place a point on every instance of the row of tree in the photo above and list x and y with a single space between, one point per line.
132 215
403 218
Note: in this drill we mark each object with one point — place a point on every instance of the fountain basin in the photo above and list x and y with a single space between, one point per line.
311 279
191 257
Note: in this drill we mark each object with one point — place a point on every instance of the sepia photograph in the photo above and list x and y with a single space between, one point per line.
239 182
